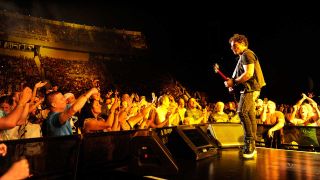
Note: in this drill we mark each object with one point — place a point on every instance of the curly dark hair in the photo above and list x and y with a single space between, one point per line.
239 38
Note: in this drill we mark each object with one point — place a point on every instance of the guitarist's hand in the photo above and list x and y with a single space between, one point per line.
229 83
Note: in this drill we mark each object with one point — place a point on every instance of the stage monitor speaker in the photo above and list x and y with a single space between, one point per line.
189 142
227 135
150 156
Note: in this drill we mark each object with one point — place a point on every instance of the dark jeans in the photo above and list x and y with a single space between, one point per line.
246 110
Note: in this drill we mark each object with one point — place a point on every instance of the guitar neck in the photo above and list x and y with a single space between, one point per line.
224 77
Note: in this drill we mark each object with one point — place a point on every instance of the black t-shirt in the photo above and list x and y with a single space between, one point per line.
257 81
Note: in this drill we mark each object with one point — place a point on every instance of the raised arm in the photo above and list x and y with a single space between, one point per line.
12 118
111 118
24 115
314 105
37 86
296 107
77 105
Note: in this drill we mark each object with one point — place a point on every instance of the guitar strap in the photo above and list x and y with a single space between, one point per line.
236 69
234 74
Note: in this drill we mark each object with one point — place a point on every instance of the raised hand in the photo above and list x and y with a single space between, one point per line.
25 96
40 84
3 149
94 91
304 95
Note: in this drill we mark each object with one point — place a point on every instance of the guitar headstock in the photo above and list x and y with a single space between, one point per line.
216 67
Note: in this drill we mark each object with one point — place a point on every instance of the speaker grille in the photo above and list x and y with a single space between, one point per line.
227 135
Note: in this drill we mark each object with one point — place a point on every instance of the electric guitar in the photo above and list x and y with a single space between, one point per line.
225 78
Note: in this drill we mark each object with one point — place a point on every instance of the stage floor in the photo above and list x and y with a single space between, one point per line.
268 164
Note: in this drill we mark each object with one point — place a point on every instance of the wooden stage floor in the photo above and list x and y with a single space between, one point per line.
268 164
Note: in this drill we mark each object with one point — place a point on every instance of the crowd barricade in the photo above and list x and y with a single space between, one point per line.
114 154
51 157
305 138
106 155
104 152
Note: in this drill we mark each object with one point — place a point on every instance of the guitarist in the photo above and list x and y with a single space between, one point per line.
248 74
